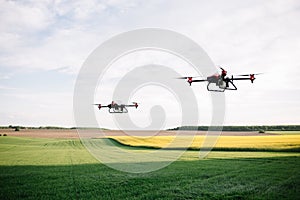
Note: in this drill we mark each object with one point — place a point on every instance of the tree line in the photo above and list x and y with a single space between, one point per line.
241 128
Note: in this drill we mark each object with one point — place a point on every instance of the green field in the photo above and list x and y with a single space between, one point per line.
285 132
34 168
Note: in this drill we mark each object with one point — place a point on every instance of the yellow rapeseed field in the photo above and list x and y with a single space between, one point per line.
255 142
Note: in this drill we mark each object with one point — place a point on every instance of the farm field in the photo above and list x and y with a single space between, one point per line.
61 168
285 132
259 143
72 133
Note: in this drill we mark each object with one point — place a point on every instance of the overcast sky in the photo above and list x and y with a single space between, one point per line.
43 45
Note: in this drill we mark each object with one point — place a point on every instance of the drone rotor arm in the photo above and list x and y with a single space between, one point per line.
97 104
199 80
135 104
240 78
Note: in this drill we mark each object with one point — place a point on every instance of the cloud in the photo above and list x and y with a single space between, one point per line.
7 88
5 76
49 35
33 109
40 37
24 17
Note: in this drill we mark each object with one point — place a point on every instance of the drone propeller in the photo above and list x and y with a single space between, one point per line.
188 77
99 105
182 77
250 77
135 104
248 74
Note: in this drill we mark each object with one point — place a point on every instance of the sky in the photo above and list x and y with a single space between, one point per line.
43 45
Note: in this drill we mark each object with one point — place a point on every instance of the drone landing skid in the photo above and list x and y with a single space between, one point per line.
222 89
113 110
215 90
231 88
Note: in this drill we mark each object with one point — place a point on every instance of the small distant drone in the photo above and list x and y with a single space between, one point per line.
222 82
113 107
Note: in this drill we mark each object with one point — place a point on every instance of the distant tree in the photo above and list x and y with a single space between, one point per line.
17 128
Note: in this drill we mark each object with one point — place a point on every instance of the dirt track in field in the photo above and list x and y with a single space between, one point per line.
72 133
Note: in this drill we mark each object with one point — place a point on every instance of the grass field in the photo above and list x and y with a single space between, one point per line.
43 168
285 132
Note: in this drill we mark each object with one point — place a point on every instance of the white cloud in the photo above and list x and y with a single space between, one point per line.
243 36
24 17
33 109
49 35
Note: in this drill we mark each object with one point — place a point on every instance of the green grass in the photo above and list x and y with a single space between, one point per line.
284 132
63 169
38 151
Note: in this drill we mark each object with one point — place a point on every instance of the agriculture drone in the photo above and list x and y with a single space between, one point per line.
221 81
113 107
